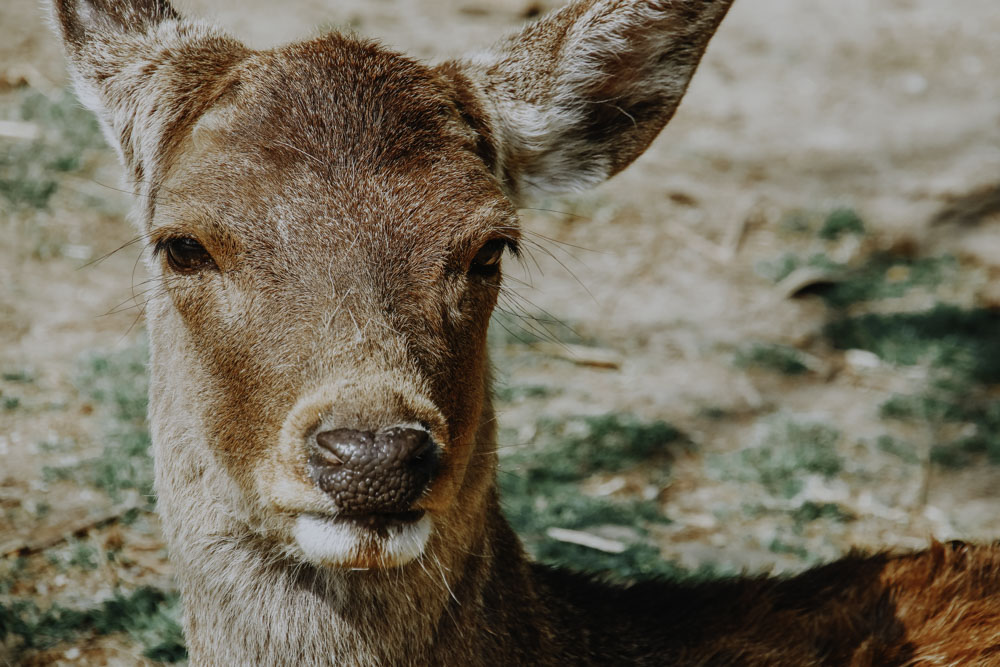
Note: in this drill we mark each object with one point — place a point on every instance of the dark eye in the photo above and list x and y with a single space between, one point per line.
487 260
186 255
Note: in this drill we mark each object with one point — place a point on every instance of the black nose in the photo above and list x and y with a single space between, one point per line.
368 473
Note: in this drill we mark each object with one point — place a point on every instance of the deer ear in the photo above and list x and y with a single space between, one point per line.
142 70
577 96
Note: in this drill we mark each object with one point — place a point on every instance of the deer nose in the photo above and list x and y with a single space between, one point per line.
374 473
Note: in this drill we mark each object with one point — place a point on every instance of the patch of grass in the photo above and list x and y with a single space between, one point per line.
798 221
149 615
780 268
714 412
881 276
950 403
125 464
964 342
509 394
13 569
540 488
971 449
926 406
11 403
579 447
779 546
811 511
24 184
18 375
29 172
533 508
83 556
961 350
788 452
984 414
118 384
118 380
839 222
772 357
884 276
903 450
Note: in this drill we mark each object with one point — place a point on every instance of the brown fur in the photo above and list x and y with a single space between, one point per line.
343 192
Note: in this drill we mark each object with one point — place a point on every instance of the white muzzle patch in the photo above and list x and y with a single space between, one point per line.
332 543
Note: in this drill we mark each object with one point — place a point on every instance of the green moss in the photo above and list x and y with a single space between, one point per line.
19 375
812 511
773 357
779 269
117 383
149 615
788 452
509 394
964 342
982 443
30 172
11 571
83 556
798 222
714 412
780 546
839 222
579 447
540 488
884 276
961 350
903 450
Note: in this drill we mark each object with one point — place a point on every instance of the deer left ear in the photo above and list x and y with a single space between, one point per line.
577 96
82 21
143 70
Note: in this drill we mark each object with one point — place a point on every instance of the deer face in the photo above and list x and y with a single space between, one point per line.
326 226
328 243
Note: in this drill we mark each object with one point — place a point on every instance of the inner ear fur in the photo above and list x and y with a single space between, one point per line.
145 72
575 97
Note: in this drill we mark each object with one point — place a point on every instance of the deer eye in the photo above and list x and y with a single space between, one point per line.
487 260
187 255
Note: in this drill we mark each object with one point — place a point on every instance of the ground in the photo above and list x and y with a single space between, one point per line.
772 339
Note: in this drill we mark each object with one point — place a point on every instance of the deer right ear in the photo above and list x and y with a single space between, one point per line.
577 96
131 63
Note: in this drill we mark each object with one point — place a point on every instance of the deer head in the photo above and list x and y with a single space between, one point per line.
326 222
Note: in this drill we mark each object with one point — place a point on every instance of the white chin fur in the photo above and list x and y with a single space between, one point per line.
332 543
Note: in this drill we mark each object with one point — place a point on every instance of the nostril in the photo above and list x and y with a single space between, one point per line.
423 452
414 448
408 443
339 445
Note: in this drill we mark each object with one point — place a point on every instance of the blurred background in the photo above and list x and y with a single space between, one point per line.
774 338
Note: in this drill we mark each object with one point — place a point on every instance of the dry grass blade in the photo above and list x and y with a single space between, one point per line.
588 540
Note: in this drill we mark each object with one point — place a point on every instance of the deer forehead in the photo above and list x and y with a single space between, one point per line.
333 144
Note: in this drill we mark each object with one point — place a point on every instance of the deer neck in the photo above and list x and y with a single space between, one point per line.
246 603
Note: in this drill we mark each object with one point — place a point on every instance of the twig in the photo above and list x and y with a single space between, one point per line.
49 536
582 355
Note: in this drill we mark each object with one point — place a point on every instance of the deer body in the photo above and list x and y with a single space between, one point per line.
326 222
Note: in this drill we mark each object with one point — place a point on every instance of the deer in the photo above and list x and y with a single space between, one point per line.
327 223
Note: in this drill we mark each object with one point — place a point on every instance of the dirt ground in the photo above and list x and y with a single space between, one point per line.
691 289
